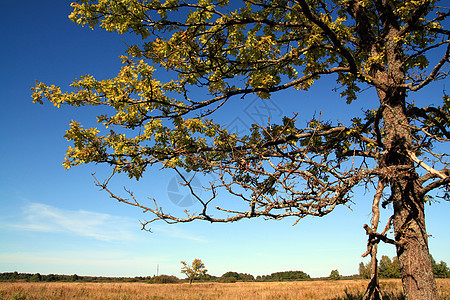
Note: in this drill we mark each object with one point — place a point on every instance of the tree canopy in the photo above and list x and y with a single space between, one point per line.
334 275
259 48
193 271
390 268
217 50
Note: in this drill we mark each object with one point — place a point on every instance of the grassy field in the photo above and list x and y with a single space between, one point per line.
343 289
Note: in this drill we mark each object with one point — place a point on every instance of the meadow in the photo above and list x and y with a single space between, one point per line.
340 289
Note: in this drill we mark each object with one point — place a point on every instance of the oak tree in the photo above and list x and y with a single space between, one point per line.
193 271
217 50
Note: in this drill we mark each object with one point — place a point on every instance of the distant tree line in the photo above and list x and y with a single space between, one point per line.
15 276
235 276
388 268
231 276
284 276
37 277
226 277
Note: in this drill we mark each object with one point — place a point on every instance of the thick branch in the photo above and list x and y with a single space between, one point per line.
331 34
415 16
372 242
436 184
370 231
425 166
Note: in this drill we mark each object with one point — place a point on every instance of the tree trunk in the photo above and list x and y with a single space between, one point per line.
409 218
414 258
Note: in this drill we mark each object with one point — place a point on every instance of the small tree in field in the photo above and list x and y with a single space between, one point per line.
219 50
334 275
194 271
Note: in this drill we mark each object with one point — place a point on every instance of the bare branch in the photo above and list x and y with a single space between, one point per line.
433 73
372 241
383 238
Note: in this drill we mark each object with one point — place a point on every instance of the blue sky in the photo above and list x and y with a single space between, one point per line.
57 221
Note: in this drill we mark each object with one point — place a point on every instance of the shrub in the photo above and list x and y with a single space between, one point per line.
334 275
164 279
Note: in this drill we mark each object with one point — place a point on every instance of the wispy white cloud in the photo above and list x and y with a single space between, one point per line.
105 227
45 218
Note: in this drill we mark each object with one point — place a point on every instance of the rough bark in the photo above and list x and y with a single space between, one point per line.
409 226
409 218
373 289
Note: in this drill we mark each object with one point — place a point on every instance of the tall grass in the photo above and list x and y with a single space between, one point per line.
342 289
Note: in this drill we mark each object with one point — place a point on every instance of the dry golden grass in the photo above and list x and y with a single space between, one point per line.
240 290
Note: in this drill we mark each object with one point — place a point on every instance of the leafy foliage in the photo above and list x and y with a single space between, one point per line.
334 275
215 51
161 279
364 270
235 276
391 269
440 270
195 270
26 277
284 276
